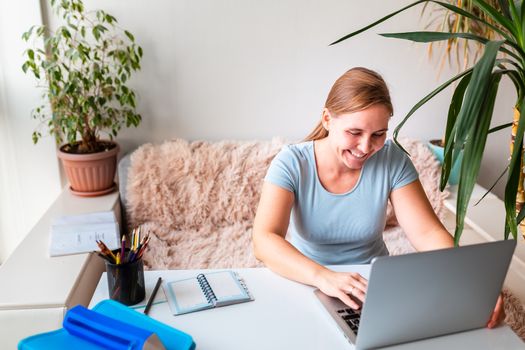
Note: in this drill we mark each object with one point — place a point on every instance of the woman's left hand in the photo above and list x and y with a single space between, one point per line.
498 314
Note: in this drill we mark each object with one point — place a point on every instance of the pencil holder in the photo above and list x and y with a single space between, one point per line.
126 282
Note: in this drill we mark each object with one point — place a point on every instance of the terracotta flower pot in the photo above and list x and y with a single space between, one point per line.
90 174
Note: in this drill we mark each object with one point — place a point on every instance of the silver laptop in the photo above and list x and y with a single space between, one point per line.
424 295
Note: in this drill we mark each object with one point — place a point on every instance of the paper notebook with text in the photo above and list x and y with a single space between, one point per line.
206 291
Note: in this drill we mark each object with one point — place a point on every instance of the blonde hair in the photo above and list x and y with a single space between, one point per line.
358 89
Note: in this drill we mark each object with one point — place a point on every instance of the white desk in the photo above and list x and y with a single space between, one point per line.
286 315
36 290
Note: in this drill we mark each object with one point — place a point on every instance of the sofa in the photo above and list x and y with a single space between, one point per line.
198 201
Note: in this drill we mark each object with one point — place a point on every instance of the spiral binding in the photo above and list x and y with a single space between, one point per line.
243 285
206 289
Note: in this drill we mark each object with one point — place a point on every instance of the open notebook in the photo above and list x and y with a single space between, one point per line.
206 291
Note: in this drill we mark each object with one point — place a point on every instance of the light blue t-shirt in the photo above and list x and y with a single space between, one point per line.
334 229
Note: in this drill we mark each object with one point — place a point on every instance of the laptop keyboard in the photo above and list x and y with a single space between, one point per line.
351 317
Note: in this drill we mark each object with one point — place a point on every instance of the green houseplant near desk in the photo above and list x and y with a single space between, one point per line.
472 103
83 69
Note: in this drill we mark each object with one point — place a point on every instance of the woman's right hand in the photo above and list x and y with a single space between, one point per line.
342 285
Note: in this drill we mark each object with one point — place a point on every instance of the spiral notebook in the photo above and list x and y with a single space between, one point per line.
206 291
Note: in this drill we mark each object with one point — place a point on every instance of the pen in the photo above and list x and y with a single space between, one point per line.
152 296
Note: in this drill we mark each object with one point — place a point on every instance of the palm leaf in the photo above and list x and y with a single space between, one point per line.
427 37
473 153
474 98
515 14
453 111
499 127
493 185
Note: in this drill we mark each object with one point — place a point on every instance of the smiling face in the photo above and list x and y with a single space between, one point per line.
355 137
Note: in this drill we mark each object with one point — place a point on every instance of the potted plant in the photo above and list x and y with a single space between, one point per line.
83 68
472 103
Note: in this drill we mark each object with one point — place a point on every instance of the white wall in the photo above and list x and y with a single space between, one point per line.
29 179
251 69
248 69
237 69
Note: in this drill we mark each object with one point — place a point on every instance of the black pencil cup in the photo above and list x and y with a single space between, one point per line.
126 282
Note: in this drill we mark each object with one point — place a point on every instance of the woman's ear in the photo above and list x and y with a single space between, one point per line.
326 119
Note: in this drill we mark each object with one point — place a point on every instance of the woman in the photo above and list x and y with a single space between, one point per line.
333 190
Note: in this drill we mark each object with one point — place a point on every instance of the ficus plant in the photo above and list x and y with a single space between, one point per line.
83 68
472 103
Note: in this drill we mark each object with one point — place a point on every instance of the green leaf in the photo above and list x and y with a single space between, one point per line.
27 34
473 151
96 33
65 32
493 185
101 28
455 107
25 66
522 11
35 137
427 36
40 30
129 35
499 127
474 97
515 16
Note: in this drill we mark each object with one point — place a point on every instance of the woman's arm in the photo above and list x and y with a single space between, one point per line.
417 218
269 231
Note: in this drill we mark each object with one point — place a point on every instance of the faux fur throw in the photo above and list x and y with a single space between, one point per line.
198 201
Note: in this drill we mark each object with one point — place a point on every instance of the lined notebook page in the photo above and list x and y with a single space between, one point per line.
188 294
226 286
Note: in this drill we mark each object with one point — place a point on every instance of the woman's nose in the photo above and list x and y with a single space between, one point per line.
365 145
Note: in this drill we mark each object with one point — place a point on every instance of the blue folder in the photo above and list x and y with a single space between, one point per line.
109 325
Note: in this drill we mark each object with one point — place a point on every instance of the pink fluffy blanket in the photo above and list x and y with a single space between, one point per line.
198 201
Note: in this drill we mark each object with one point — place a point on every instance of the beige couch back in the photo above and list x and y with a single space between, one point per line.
182 185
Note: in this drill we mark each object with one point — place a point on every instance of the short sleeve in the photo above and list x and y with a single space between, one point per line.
283 170
402 171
